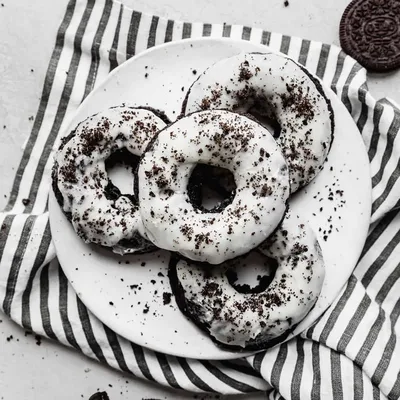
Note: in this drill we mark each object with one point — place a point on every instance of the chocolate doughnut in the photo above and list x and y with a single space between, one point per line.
257 319
274 90
223 139
98 211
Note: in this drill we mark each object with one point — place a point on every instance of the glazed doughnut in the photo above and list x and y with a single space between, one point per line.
271 86
96 208
223 139
254 321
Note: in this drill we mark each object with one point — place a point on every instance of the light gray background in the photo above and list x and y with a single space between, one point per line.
27 34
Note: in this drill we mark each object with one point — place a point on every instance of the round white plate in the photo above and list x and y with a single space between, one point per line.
336 202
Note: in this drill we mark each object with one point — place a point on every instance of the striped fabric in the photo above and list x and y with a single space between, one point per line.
353 349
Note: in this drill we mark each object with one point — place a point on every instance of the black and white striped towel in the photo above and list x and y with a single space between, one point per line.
353 351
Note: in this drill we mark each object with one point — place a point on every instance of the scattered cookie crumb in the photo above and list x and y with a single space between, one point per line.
99 396
38 340
166 298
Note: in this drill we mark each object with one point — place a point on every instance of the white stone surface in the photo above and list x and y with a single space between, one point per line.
27 34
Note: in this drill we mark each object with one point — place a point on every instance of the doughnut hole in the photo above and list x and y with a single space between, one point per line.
252 273
259 108
266 119
211 188
120 167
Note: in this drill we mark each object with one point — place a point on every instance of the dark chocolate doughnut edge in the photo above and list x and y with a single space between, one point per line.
156 111
189 310
185 100
54 174
321 90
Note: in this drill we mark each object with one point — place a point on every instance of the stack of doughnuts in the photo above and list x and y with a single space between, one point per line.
255 128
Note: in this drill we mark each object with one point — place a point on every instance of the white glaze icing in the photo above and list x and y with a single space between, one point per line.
272 85
222 139
239 319
82 176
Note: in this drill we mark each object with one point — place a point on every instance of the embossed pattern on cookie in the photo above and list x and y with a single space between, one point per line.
370 33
